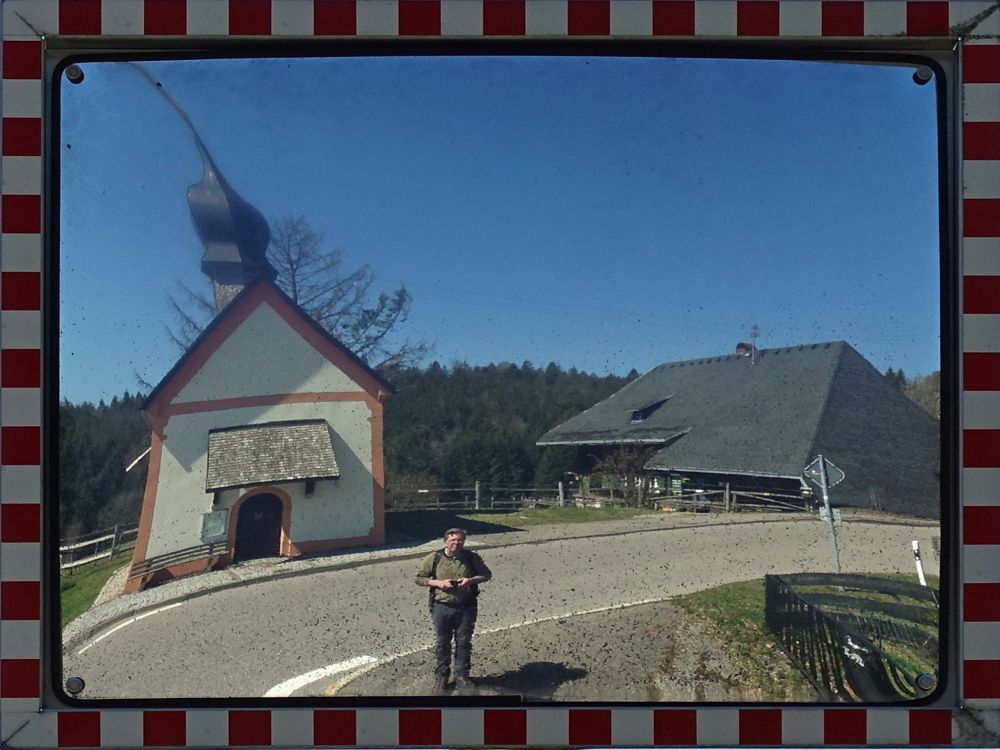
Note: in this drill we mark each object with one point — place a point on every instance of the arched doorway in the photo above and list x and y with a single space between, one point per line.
258 528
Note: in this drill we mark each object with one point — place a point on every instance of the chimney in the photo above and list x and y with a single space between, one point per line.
744 349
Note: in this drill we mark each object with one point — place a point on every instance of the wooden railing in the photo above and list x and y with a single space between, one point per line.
160 562
487 497
839 638
728 501
480 496
95 546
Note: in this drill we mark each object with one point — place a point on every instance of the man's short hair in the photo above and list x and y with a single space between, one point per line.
462 532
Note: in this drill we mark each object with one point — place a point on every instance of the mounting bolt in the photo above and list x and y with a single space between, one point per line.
74 74
922 75
926 682
75 685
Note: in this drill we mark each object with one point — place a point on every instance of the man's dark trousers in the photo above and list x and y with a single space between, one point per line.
457 623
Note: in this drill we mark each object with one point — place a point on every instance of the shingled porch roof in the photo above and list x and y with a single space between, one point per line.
270 453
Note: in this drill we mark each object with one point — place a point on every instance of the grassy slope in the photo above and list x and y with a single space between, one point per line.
77 590
737 612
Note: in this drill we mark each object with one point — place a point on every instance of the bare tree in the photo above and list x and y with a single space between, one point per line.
192 310
340 301
925 392
626 465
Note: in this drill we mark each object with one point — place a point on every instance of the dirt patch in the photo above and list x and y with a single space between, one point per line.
651 652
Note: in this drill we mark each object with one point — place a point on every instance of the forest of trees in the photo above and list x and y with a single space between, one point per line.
449 427
445 427
96 443
924 391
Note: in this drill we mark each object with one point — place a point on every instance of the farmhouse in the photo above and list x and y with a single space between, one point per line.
756 418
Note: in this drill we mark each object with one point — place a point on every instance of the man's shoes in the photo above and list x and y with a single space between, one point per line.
440 685
464 685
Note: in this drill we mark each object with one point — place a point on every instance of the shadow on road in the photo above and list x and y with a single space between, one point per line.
534 681
425 525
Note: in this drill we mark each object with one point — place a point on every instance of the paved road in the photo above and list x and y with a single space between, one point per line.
280 635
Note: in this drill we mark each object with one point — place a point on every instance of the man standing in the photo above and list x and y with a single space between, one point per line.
453 575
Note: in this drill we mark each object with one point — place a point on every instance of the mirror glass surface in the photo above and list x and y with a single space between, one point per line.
662 334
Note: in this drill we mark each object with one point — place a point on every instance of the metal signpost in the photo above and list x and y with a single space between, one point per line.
824 473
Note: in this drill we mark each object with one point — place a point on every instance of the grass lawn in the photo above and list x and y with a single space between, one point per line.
430 524
78 589
737 611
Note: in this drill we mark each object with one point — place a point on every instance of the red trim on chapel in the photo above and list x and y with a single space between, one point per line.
230 319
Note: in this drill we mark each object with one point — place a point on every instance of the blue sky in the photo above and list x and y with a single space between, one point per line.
602 213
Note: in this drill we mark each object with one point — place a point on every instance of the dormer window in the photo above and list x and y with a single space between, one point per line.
643 412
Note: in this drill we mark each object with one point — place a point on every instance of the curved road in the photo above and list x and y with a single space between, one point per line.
301 635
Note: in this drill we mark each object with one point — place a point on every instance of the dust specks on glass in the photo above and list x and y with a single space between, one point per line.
661 335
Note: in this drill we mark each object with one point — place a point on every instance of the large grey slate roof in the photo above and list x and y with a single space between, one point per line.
723 413
269 453
771 417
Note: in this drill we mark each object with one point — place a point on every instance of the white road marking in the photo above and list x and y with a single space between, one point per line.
563 616
286 688
121 625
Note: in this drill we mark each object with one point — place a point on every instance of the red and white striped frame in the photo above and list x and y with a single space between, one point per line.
24 719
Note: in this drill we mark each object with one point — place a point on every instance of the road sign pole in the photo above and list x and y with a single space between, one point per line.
829 514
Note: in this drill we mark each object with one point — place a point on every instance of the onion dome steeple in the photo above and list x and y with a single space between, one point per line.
234 233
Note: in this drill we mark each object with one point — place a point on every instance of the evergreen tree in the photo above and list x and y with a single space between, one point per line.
96 443
461 424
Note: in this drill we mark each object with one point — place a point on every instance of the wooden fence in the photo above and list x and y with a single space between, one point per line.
477 497
482 497
732 501
841 631
96 545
